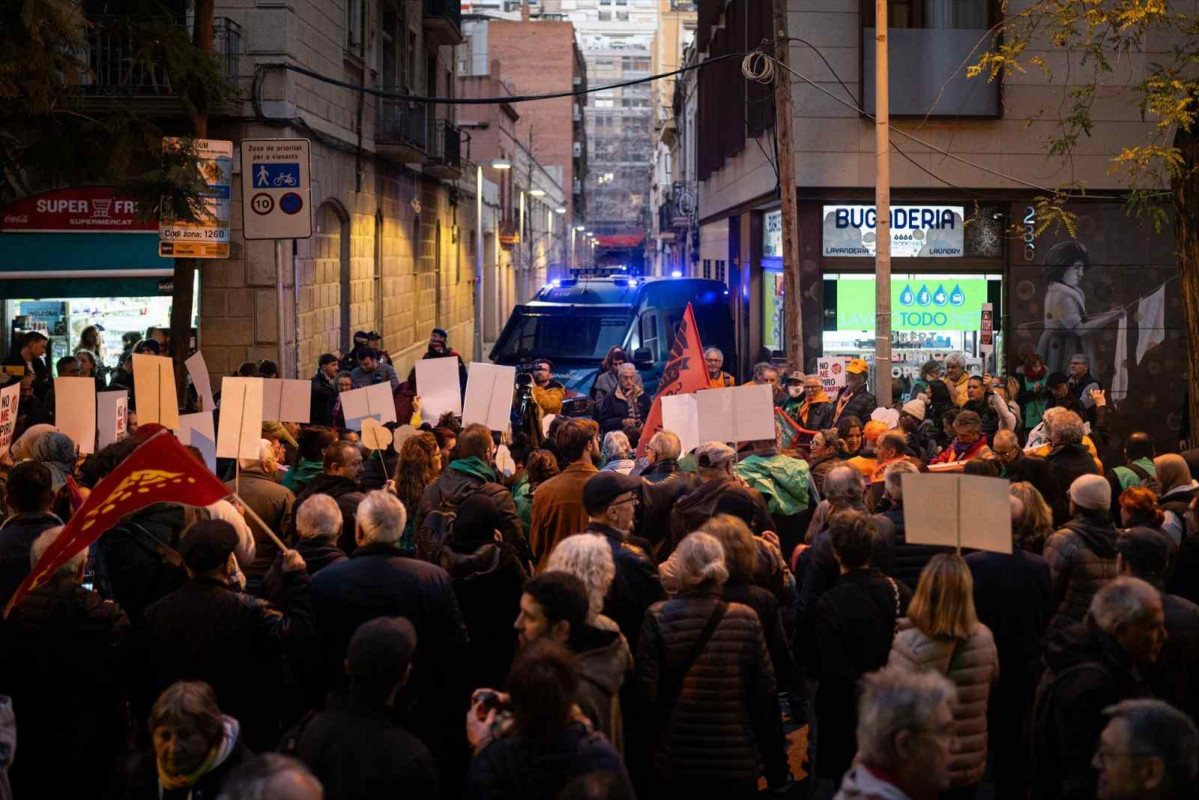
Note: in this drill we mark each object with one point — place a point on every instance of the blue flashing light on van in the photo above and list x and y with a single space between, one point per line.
574 321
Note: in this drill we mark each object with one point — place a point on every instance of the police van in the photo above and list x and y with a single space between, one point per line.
574 322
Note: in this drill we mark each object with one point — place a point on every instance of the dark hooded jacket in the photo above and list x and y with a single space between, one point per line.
488 582
453 486
1087 671
908 560
1067 462
1082 560
134 566
604 664
697 507
663 484
537 768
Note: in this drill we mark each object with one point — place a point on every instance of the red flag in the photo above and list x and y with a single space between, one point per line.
75 495
159 471
685 373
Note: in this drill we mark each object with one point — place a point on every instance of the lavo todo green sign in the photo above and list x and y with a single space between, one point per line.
925 303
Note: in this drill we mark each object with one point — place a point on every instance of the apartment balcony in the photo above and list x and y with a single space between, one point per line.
443 22
403 131
445 151
125 69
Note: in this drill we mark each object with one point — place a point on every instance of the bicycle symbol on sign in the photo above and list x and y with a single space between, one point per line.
285 179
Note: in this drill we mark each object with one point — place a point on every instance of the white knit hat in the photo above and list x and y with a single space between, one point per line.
915 408
1092 492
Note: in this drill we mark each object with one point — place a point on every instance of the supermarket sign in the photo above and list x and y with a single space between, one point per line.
916 231
923 303
81 209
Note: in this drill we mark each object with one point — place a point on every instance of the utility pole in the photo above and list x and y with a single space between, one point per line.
183 293
882 212
793 327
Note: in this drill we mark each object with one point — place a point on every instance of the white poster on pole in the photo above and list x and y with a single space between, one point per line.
75 411
986 330
201 380
439 386
680 416
240 426
154 390
370 401
196 430
489 390
958 511
285 400
739 414
112 416
10 399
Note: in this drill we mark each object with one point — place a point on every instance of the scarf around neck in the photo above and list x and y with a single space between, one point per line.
216 756
475 467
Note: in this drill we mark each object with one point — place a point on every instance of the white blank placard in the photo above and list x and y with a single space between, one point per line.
112 416
439 387
75 411
680 416
198 371
489 390
370 401
240 427
739 414
286 400
196 430
154 391
958 511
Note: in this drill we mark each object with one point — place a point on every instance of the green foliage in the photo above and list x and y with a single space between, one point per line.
58 127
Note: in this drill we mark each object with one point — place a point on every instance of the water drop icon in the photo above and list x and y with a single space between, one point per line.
923 297
957 297
906 297
940 298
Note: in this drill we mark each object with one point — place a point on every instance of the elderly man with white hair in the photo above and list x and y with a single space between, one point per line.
1069 458
717 377
664 484
379 581
69 652
627 407
1090 666
617 453
956 378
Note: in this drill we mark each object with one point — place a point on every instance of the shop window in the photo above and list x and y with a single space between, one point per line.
707 268
720 271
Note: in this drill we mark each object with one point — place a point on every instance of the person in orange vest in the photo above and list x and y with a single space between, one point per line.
714 361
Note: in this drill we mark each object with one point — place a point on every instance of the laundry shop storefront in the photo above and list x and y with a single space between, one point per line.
76 257
943 271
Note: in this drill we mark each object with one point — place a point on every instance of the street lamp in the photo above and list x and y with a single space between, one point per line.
536 193
499 164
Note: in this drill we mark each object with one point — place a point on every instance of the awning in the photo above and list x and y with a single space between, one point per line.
81 265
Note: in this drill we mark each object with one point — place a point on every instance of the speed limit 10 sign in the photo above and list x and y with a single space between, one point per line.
275 189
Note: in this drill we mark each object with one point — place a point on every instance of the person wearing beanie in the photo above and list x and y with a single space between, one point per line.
919 430
1147 553
1082 554
356 747
205 630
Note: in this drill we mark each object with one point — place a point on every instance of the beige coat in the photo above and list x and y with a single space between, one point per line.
973 667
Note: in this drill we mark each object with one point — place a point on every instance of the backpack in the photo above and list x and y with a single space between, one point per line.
1148 481
437 530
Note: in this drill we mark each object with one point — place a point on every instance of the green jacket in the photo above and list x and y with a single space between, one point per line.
1128 478
302 474
784 481
522 495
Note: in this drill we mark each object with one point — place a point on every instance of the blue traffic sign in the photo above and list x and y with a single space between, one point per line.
291 203
276 176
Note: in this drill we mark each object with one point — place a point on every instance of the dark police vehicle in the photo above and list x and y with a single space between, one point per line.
574 322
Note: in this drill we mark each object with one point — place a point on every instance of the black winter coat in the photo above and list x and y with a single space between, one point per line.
1035 470
860 405
1086 672
454 487
724 723
1175 676
663 484
908 560
488 583
359 753
348 495
1067 462
234 642
821 569
317 555
131 565
854 624
66 658
17 535
527 768
613 410
324 394
697 507
635 587
777 644
1013 596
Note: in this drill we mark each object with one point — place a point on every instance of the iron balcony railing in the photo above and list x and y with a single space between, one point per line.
446 143
122 60
402 122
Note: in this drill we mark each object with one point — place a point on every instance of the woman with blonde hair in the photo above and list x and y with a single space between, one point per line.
946 637
1035 523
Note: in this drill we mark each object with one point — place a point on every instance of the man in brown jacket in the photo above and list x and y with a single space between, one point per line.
558 509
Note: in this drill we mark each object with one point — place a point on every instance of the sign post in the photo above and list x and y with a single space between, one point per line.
276 195
208 236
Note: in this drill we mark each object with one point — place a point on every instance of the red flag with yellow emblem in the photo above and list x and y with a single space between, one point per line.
685 373
159 471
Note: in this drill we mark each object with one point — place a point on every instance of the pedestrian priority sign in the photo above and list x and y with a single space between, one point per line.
275 189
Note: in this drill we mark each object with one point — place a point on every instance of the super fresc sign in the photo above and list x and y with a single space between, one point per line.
916 231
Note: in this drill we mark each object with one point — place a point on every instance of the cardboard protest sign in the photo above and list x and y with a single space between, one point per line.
739 414
198 371
402 434
286 400
680 416
504 463
439 387
196 430
374 435
831 372
112 416
958 511
370 401
75 411
10 399
489 390
240 427
154 388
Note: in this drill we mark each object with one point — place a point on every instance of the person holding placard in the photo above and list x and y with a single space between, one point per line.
371 370
28 358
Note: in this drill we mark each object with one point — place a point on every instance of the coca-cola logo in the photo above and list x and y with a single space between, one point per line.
16 219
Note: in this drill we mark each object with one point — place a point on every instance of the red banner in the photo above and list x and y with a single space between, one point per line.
160 471
81 209
685 373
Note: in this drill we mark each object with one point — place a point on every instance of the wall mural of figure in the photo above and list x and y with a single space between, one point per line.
1068 327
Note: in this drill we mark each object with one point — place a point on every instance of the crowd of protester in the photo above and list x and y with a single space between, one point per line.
594 624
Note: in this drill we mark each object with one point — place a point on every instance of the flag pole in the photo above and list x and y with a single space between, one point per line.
257 519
